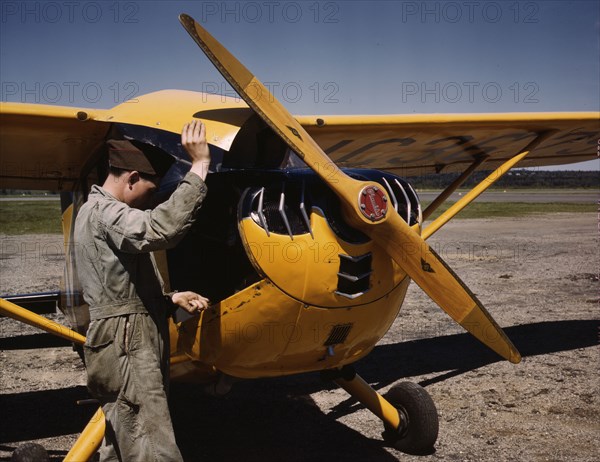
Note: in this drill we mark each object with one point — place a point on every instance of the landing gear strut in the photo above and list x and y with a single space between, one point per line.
408 413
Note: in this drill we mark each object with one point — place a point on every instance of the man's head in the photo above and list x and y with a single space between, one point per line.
135 171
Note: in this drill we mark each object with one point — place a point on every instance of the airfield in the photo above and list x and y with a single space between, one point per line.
537 275
535 196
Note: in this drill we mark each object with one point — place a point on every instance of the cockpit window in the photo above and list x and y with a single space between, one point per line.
170 142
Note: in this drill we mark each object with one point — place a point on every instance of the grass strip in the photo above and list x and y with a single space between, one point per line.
512 209
30 217
44 217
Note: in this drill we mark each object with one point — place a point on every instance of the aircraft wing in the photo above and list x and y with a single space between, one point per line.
46 147
430 143
407 144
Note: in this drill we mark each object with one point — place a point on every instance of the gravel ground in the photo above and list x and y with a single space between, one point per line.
537 276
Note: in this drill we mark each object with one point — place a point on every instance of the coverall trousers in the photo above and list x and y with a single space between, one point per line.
127 364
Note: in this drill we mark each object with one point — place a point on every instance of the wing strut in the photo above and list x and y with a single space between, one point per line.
21 314
445 194
91 437
483 185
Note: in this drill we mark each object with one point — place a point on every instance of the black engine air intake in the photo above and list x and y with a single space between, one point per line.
283 205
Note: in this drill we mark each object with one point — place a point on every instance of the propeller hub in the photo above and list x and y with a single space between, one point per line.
373 202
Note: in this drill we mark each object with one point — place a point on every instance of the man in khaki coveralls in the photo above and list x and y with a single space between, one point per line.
127 345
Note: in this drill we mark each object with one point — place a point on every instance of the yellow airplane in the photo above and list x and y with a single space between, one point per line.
310 260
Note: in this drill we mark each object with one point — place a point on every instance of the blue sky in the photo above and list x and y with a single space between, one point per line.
344 57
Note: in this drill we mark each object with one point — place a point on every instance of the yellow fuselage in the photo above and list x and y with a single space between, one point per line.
294 320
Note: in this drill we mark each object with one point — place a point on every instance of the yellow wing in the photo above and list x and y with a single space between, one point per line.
429 143
47 147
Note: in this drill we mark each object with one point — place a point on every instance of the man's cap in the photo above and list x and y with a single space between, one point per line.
142 157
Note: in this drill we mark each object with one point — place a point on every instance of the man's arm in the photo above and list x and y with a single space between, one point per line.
190 301
193 139
134 231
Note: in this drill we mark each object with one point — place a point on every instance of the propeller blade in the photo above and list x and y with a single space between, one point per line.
441 284
387 228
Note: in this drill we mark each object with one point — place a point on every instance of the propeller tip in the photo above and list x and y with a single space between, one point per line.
515 357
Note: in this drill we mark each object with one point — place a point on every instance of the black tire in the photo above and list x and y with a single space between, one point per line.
30 452
421 431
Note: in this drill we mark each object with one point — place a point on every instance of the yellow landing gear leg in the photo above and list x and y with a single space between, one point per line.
408 412
89 441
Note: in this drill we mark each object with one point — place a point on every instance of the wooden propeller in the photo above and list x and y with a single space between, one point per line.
364 203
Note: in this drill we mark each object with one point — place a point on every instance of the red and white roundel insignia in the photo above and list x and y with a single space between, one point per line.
373 203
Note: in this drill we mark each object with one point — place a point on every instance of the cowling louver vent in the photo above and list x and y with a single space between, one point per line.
338 334
354 275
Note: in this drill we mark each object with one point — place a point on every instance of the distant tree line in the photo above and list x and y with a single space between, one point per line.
533 179
515 179
27 192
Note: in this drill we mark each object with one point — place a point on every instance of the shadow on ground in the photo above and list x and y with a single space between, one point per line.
32 341
275 419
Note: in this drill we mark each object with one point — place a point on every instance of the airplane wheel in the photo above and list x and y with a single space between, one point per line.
29 452
421 431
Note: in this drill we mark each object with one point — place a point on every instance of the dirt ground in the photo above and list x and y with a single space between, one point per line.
538 276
